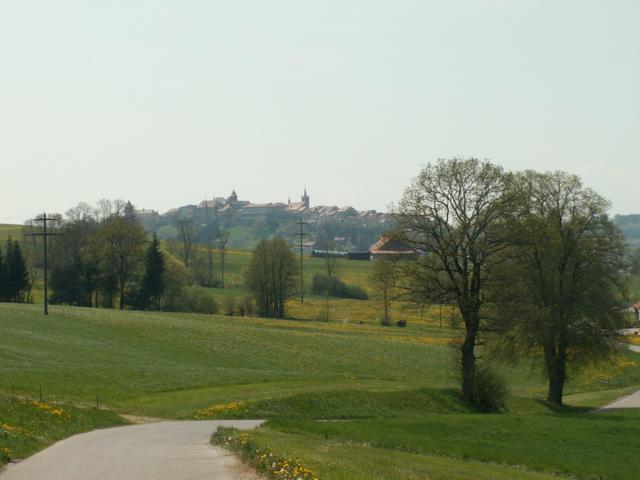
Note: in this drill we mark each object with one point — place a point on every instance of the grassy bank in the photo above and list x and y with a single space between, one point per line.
27 426
432 434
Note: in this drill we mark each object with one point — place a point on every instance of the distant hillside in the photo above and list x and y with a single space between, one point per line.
9 230
630 226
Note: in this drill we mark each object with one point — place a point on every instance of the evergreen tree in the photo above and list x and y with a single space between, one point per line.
70 285
4 280
16 272
153 281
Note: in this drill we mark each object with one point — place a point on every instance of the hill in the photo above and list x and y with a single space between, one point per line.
630 226
338 395
10 230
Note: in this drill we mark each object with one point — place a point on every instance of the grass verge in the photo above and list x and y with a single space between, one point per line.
27 426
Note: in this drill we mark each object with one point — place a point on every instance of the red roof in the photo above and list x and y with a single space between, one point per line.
390 246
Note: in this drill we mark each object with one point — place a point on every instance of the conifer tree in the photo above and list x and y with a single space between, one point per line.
17 274
4 280
153 281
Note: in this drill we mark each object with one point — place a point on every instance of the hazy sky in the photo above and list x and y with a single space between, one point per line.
168 102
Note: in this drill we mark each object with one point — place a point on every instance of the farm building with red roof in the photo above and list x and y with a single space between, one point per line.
388 247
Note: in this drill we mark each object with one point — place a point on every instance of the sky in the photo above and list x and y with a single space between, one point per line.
166 103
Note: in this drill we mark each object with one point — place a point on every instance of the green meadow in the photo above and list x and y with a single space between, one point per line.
368 391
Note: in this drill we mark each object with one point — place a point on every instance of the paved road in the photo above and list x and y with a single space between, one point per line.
630 401
164 450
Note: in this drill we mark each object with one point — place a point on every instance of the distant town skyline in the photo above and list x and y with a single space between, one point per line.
168 103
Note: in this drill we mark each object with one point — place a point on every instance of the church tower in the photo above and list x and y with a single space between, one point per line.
305 199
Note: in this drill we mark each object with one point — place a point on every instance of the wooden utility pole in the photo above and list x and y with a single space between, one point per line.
301 236
45 235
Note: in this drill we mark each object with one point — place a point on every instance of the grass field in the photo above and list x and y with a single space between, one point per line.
10 231
582 445
172 364
340 395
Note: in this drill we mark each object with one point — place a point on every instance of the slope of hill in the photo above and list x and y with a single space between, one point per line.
390 387
630 226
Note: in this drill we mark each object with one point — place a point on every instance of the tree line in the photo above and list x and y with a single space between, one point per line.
103 257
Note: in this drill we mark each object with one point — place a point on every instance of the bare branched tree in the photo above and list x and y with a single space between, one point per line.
188 231
223 240
452 213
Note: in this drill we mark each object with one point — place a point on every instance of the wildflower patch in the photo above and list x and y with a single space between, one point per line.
267 462
220 409
14 431
5 455
50 409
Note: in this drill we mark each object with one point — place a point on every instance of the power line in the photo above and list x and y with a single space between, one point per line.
301 236
45 234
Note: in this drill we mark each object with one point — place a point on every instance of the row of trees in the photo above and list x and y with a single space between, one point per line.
531 260
103 257
202 249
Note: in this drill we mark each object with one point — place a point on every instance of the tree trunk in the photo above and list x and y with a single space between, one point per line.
471 319
556 369
121 295
222 271
468 367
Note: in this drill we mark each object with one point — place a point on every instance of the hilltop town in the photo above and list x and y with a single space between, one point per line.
345 227
233 208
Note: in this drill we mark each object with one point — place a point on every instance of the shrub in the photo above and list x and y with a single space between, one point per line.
490 390
229 306
248 306
193 300
323 284
198 300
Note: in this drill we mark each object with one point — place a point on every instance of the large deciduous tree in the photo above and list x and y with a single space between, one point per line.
119 246
271 276
453 213
560 292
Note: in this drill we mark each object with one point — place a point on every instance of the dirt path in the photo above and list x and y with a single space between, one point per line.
175 450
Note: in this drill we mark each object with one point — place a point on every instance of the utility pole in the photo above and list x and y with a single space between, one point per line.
301 236
45 235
